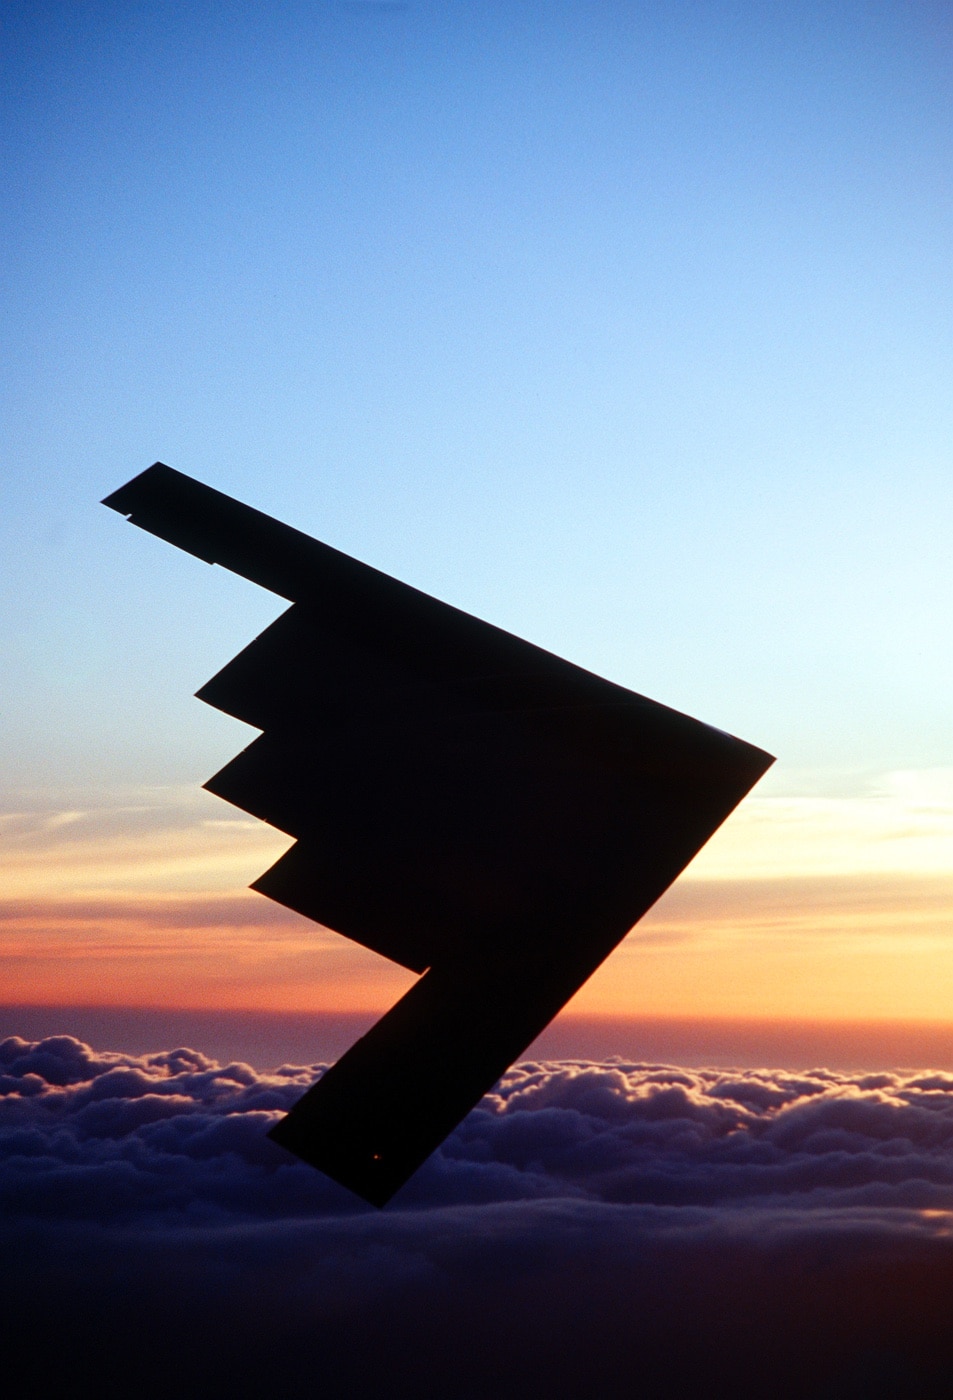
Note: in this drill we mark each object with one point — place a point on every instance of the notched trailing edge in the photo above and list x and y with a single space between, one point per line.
462 802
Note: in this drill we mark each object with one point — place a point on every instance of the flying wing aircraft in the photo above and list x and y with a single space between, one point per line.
484 813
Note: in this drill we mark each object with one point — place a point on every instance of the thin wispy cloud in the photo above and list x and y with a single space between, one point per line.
801 905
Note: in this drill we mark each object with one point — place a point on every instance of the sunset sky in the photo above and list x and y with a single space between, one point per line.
626 325
628 328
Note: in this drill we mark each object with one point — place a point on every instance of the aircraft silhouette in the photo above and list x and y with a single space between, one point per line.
471 806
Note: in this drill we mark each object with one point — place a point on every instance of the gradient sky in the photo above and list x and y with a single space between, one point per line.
627 327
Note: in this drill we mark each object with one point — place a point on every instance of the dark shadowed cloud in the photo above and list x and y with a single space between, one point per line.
608 1229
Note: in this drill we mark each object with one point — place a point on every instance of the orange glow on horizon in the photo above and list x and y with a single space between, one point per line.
822 948
786 913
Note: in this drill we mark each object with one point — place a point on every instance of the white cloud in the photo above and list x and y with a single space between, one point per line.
898 822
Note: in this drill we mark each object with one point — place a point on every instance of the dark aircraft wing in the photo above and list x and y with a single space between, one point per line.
465 803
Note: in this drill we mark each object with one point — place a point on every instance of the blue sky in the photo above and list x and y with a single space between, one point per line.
628 327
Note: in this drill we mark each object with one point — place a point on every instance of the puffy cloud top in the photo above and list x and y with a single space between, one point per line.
111 1137
604 1229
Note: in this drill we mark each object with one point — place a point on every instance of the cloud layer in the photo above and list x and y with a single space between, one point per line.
591 1228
